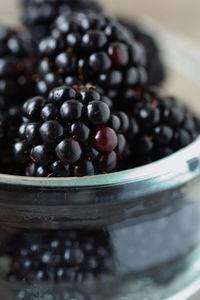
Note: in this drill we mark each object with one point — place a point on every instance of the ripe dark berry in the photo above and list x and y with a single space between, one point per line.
173 115
41 172
108 162
147 115
122 143
100 62
105 139
94 40
88 95
91 153
71 110
21 152
181 138
32 108
66 63
124 120
155 67
163 135
49 46
84 168
119 54
71 133
69 151
112 79
80 132
49 112
31 132
98 113
59 170
61 94
51 132
115 123
41 155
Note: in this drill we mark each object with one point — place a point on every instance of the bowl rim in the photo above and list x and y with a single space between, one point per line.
173 169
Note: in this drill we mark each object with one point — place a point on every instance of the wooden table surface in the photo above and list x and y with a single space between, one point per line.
181 16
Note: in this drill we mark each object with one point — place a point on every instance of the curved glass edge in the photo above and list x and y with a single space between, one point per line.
174 170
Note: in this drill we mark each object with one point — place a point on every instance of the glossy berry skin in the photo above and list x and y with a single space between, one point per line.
72 132
159 126
105 139
155 67
38 16
69 151
102 52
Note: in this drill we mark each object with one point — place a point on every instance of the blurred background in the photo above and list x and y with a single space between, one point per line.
179 15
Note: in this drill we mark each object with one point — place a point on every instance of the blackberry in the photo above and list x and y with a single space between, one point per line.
155 67
162 125
9 122
91 48
17 58
17 61
73 132
67 256
38 16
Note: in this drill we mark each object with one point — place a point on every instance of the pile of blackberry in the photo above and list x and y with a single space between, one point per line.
38 16
59 256
89 47
17 53
164 125
10 120
72 132
17 58
91 108
155 67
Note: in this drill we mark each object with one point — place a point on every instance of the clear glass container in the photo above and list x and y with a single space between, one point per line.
131 235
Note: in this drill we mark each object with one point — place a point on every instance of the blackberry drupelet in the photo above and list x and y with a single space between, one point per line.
71 133
66 256
91 48
162 125
155 67
38 16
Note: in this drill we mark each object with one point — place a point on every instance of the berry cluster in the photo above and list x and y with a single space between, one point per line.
155 67
10 120
71 133
91 108
88 47
59 256
17 59
164 125
38 16
16 50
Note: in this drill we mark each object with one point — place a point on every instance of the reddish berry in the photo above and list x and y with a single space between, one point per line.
119 55
105 139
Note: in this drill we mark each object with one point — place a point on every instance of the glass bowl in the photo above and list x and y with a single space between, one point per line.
131 235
